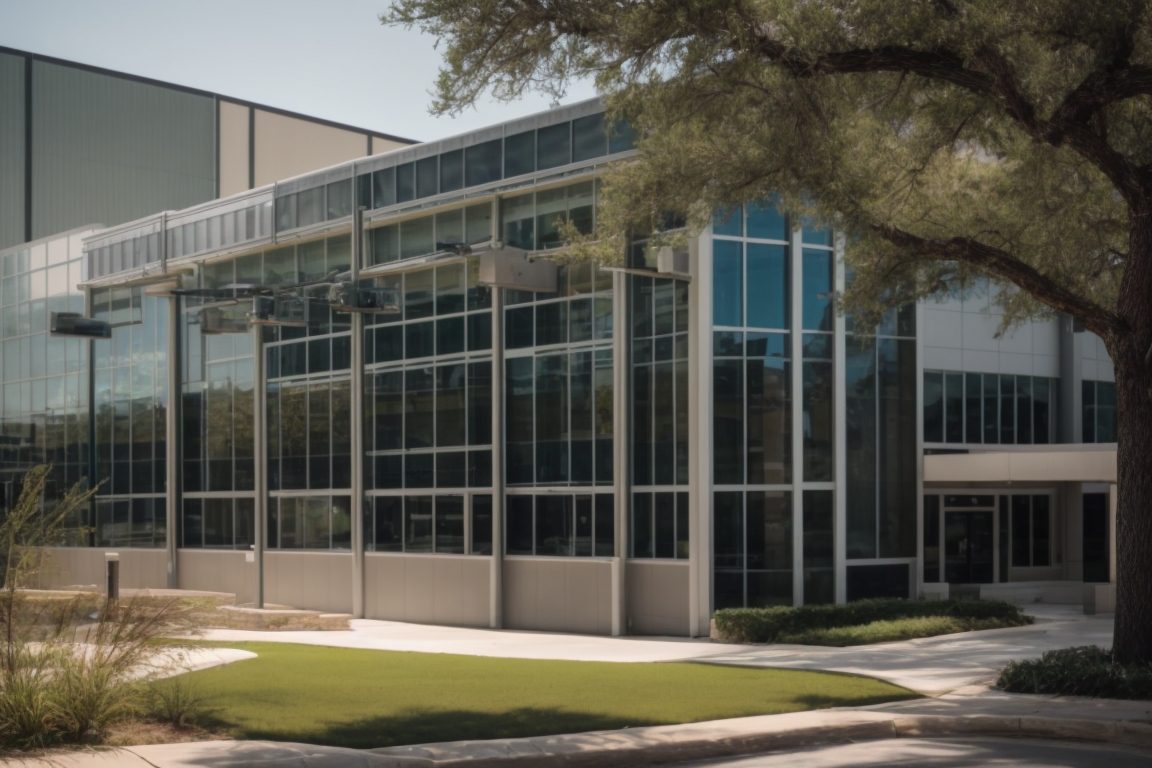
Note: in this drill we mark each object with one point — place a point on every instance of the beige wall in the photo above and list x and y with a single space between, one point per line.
286 146
218 571
85 567
233 172
439 589
319 581
657 598
558 595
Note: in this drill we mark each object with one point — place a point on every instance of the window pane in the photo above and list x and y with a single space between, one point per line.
553 146
817 421
954 407
450 524
452 170
767 221
1041 536
817 286
933 407
519 154
728 422
642 541
418 529
588 137
1021 531
818 547
427 176
554 530
482 163
727 278
767 288
481 525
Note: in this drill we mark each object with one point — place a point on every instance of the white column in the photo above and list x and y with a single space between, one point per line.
796 355
496 574
840 433
622 477
700 439
172 440
356 417
259 457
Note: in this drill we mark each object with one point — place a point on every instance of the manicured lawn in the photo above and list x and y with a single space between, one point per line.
361 699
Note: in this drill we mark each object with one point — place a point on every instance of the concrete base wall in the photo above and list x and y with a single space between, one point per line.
85 566
1023 593
1099 598
218 570
657 599
439 589
562 595
320 581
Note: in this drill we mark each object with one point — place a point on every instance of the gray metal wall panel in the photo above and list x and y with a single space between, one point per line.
110 149
11 150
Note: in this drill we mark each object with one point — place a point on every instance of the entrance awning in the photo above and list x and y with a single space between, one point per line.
1043 464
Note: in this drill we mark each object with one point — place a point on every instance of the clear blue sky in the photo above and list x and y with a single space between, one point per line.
329 58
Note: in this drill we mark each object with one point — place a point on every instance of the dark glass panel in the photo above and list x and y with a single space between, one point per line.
405 182
553 146
817 305
728 422
427 176
818 431
482 163
450 524
1021 531
481 525
769 422
897 460
387 530
1007 409
1041 531
419 532
552 418
588 137
728 531
973 408
727 280
419 408
818 547
642 541
931 538
877 581
1024 410
452 170
861 447
450 336
605 525
520 418
767 221
384 187
954 407
519 153
767 288
991 408
554 526
419 470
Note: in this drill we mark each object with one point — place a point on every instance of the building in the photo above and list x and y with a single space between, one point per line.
373 389
79 144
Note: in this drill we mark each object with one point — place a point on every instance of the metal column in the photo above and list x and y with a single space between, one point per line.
172 440
259 458
356 428
622 478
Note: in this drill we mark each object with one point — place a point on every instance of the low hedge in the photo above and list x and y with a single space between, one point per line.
774 624
1081 671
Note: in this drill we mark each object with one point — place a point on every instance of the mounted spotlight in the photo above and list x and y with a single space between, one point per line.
284 311
348 296
74 324
218 320
507 267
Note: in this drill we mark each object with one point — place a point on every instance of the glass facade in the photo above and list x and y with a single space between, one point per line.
1098 411
44 399
489 420
990 408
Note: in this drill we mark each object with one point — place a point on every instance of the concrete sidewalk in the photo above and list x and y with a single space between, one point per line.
954 670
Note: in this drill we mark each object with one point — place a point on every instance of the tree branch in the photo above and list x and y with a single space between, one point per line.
1002 264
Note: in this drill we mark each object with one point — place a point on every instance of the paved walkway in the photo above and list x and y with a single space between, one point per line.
954 670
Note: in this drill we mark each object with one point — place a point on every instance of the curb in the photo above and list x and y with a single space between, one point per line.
638 747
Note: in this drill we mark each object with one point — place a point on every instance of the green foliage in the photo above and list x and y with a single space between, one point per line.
364 699
1081 671
64 677
176 701
810 623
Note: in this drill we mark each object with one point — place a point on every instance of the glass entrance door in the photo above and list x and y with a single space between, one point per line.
969 547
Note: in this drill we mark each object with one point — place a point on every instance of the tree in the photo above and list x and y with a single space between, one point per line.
949 138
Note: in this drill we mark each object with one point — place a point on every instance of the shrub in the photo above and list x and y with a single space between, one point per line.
1081 671
774 624
175 701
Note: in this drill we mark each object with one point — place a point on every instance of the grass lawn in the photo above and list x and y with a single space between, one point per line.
362 699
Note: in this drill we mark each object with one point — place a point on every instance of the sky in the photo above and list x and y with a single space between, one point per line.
327 58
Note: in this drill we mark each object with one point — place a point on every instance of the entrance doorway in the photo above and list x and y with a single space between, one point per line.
970 546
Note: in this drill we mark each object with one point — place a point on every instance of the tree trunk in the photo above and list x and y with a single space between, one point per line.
1133 630
1131 354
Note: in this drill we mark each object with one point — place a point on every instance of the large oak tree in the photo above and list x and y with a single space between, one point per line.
950 138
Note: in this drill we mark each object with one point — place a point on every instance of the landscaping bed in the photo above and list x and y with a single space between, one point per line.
863 622
1081 671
